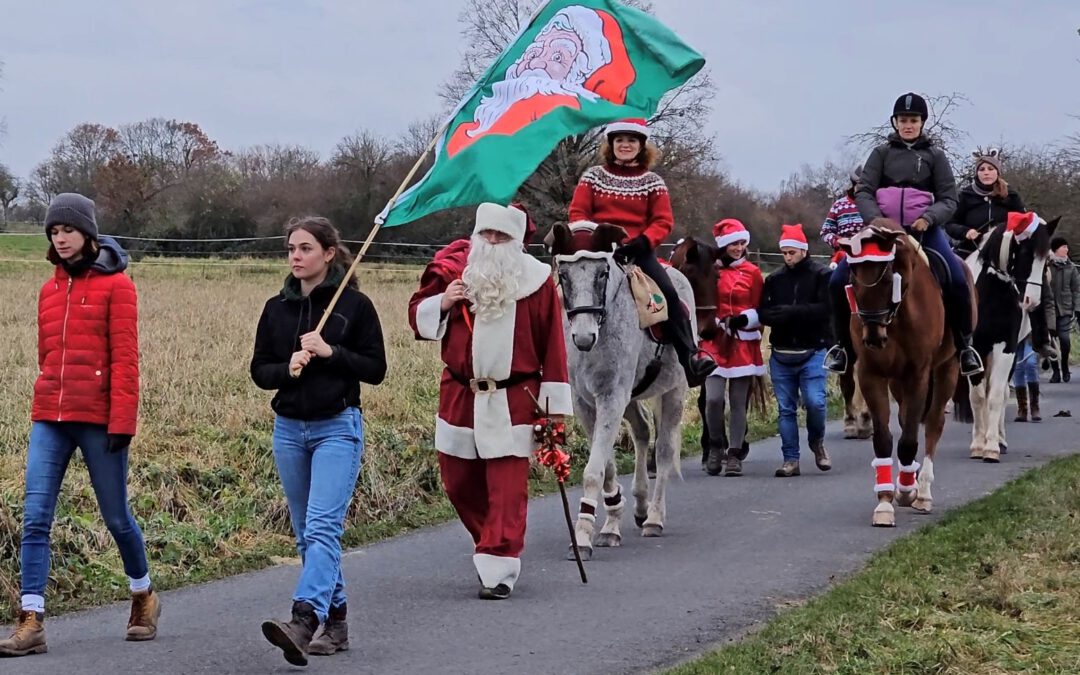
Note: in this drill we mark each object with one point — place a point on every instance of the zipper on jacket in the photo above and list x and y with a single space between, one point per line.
63 351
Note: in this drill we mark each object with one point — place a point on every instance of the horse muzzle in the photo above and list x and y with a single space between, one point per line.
875 336
584 341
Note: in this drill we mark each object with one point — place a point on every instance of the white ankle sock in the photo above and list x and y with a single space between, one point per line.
33 603
138 585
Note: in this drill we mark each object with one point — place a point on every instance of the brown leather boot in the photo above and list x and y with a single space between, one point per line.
335 634
1021 405
294 636
715 464
821 455
28 636
145 610
1033 402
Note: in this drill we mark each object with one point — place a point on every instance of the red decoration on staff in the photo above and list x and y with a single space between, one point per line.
551 436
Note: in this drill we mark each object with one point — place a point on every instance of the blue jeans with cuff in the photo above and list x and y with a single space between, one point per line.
806 380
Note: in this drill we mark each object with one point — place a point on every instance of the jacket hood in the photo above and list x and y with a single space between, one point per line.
111 258
923 141
291 290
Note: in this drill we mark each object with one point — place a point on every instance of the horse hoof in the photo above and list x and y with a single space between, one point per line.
607 540
851 433
923 506
977 453
652 530
884 520
640 520
585 551
991 457
905 498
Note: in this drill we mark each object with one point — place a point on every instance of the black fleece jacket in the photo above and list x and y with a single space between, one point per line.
327 386
795 304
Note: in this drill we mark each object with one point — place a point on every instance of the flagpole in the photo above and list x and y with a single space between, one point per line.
371 237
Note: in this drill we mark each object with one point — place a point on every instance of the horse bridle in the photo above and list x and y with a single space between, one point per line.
882 317
599 291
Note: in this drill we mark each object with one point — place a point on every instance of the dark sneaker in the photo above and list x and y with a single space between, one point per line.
500 592
733 466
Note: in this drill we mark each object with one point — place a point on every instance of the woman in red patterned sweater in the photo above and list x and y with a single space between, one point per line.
624 191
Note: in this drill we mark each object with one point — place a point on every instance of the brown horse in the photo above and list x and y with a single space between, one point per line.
902 345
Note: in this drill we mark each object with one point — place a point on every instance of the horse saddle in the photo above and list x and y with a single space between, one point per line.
939 267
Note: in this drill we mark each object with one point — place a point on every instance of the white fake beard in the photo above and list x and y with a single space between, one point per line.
492 277
518 88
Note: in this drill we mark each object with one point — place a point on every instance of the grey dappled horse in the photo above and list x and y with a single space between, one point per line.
611 360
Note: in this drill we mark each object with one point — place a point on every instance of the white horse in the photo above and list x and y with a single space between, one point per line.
614 364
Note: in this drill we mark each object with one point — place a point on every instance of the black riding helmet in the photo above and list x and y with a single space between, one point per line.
911 104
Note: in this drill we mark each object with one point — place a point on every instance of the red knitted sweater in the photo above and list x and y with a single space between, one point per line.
633 198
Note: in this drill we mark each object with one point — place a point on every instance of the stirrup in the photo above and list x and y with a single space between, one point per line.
836 360
977 369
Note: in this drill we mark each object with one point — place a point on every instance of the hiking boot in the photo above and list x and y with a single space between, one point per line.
821 455
145 610
294 636
1065 374
334 636
788 469
500 592
733 466
836 360
715 464
1033 402
1021 405
28 636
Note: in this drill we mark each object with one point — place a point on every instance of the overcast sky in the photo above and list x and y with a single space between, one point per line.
793 77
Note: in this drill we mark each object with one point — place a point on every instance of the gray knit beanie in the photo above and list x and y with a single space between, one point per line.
70 208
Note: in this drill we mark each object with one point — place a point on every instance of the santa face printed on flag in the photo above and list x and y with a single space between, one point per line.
578 54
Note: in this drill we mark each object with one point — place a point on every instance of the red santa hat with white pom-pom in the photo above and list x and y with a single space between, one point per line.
628 126
1022 225
792 236
729 231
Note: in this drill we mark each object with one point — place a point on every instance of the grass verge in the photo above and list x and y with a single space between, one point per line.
993 588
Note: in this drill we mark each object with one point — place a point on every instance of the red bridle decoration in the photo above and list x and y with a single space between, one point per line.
551 436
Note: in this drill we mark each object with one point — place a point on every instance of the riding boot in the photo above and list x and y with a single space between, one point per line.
697 364
1055 377
1033 401
970 361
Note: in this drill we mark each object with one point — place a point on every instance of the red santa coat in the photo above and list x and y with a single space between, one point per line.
526 340
737 353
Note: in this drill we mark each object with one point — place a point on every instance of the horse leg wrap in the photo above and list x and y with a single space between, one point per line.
907 477
614 501
587 510
883 471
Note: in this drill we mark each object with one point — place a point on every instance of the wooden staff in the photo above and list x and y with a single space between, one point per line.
295 372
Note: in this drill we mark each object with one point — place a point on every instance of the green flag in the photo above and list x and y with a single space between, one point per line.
576 65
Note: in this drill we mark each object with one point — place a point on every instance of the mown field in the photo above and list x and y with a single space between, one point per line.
203 483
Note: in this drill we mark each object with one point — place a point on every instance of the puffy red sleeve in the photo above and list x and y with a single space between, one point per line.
123 356
661 218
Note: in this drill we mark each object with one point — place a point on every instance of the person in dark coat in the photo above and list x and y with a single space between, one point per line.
982 205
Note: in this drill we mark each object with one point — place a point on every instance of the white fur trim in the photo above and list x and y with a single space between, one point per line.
556 397
495 570
738 371
884 487
430 321
886 461
729 239
582 225
506 219
897 288
461 441
885 257
794 243
534 274
626 127
752 315
748 335
585 255
911 468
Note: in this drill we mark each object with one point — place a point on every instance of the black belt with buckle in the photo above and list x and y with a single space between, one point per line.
486 385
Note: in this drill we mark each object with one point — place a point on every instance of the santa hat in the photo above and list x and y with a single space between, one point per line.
1022 225
728 231
791 236
505 219
628 126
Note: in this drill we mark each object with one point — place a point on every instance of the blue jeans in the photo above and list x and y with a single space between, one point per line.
1025 366
806 380
318 462
51 446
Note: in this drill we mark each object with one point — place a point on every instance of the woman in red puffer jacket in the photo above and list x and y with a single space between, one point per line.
86 397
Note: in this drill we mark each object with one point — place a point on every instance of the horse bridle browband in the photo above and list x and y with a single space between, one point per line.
599 291
882 317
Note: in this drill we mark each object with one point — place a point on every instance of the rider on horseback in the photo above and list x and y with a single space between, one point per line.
624 192
908 179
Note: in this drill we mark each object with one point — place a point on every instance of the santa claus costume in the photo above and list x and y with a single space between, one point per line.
497 360
736 347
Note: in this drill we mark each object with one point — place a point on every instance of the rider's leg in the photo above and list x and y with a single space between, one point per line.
957 302
842 355
697 364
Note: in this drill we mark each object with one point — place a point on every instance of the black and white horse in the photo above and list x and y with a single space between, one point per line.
1009 274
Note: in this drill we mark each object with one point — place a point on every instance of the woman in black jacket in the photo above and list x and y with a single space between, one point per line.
318 432
983 204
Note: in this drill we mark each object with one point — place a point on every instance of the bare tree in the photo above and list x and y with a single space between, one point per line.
269 163
9 191
940 127
3 120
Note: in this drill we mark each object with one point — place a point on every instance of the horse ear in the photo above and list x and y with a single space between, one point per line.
607 237
559 240
1051 225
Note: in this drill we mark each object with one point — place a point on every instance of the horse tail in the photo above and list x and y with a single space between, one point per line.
962 411
758 394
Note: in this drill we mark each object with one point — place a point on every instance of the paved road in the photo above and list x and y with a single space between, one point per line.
734 549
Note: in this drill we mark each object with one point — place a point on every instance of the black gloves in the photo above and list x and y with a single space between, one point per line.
633 249
119 442
738 322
